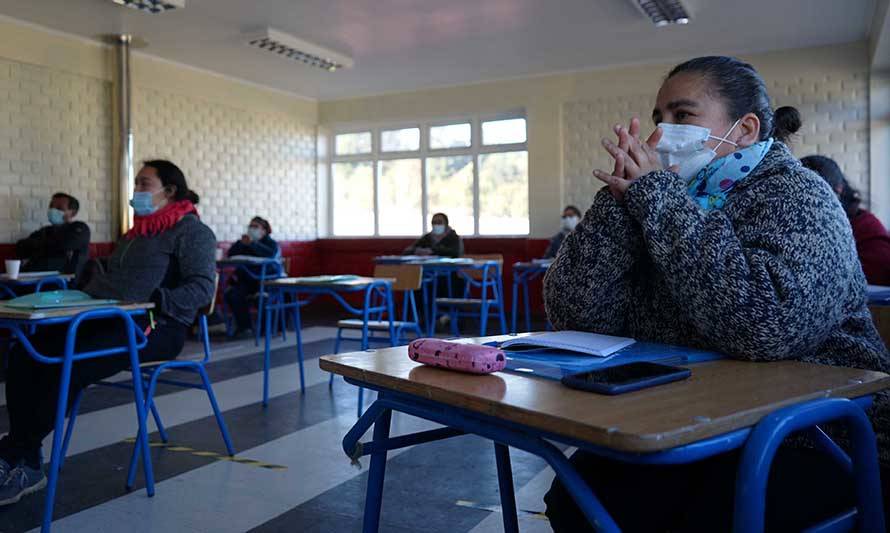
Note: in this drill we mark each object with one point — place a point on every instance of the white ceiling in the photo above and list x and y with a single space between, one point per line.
402 45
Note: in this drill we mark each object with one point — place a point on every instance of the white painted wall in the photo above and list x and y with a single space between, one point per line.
246 150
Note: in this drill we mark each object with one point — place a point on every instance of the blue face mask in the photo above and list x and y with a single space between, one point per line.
56 216
142 203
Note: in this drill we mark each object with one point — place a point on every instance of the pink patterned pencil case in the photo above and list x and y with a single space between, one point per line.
472 358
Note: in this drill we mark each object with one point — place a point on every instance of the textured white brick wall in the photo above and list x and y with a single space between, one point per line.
55 135
834 109
242 163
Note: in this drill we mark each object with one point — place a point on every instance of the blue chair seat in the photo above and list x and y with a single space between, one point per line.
377 325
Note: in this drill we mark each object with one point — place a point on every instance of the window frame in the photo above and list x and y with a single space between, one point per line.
376 155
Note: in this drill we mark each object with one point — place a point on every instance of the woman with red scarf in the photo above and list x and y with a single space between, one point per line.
168 259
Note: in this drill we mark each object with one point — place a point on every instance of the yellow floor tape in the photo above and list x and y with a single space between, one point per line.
213 455
497 508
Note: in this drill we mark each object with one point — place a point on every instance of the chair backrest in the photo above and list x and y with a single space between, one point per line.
880 314
207 310
475 273
408 277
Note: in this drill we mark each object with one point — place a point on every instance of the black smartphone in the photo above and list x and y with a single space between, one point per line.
625 378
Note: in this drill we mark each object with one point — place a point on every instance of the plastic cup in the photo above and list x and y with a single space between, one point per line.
12 268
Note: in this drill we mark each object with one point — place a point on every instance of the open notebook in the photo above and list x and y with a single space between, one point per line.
554 363
578 342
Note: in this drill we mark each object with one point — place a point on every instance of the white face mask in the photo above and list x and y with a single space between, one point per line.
569 223
255 234
683 145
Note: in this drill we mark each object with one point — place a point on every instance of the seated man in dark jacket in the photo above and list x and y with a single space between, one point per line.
63 245
442 241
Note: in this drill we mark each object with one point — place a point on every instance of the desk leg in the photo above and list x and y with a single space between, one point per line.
515 302
374 497
298 333
434 293
267 353
526 306
505 481
56 455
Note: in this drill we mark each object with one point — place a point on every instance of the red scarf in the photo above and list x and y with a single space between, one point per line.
161 220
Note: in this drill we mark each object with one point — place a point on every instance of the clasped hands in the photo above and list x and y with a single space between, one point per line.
633 157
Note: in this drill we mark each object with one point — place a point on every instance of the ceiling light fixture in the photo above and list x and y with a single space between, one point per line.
290 47
663 12
152 6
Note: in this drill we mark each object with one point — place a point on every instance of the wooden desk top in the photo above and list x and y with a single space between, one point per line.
238 260
533 264
61 312
31 278
720 397
317 281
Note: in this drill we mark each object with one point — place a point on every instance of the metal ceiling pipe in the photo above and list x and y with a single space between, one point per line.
123 137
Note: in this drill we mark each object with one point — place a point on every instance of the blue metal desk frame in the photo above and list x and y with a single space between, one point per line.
431 272
135 341
523 273
270 268
758 443
8 286
377 286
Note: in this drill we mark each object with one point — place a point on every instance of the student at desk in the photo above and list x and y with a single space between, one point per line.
872 241
166 258
257 242
442 240
63 245
711 234
571 215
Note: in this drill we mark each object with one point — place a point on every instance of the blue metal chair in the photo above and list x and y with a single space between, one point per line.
150 372
135 341
483 295
268 271
408 278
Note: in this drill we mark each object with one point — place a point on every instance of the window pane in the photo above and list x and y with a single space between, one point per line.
451 190
403 140
451 136
353 143
503 193
504 131
400 197
353 193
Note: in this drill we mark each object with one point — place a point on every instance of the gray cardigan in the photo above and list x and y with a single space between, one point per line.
175 269
773 275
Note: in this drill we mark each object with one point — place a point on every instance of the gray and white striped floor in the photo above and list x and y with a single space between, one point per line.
310 485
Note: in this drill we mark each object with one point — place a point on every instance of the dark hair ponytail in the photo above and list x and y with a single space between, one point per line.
786 122
743 90
171 174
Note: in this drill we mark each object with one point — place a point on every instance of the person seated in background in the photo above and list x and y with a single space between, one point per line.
711 234
167 258
442 240
872 241
64 245
571 215
257 242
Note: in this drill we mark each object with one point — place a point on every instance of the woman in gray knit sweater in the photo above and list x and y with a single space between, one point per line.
711 234
168 259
